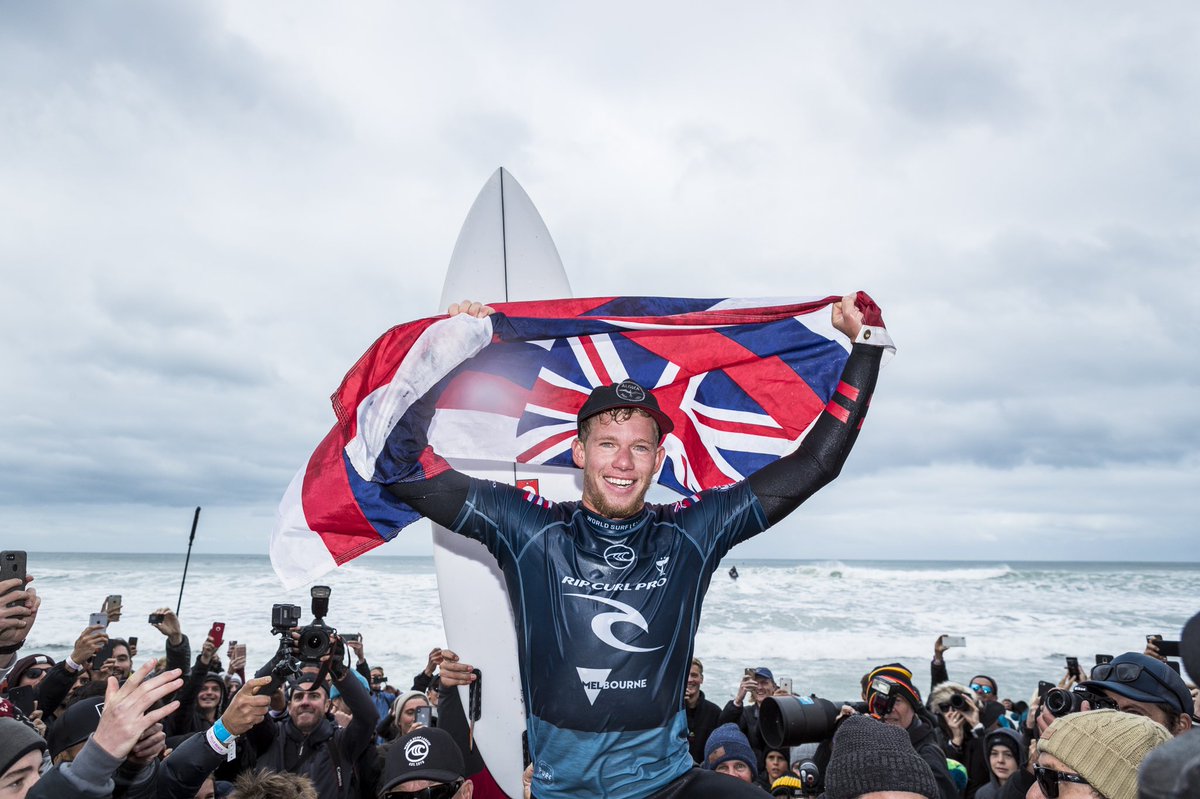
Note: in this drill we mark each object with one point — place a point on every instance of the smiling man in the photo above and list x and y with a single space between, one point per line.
607 591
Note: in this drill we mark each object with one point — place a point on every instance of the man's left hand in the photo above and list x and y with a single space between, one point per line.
847 318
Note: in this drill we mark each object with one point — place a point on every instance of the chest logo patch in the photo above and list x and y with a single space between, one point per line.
620 556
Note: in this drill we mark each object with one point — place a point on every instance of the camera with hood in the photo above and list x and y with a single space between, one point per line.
317 637
791 720
1061 702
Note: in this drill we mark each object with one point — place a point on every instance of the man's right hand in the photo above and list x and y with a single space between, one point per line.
435 655
89 642
129 709
15 622
1152 648
248 707
207 650
938 649
746 687
169 626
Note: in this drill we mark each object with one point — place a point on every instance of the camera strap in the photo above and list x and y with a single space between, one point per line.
475 706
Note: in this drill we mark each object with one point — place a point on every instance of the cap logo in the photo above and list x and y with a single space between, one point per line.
630 391
716 754
100 709
416 750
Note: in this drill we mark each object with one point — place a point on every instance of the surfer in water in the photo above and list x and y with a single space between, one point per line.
733 573
607 591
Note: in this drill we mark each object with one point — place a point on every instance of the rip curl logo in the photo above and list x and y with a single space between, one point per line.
602 623
619 556
631 391
416 750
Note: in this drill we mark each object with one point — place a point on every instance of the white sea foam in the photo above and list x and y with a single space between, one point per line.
821 623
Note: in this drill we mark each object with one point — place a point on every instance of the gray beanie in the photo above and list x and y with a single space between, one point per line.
17 739
870 756
1172 771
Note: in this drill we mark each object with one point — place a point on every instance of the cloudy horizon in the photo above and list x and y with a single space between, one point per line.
211 210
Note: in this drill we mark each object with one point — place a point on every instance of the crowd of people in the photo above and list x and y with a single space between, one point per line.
95 725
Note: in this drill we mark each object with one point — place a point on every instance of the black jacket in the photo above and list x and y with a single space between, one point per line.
701 720
924 741
327 755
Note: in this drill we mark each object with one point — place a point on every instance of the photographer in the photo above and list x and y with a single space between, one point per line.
960 731
305 741
893 698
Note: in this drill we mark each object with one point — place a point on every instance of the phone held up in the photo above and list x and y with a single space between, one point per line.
217 633
424 716
112 603
949 641
1168 649
785 683
1073 668
13 563
98 620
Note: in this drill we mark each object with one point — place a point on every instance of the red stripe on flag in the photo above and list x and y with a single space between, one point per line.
848 391
597 362
484 392
528 455
838 412
330 507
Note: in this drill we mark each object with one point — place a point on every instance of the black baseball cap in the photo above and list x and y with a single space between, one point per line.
626 394
427 753
75 725
1144 679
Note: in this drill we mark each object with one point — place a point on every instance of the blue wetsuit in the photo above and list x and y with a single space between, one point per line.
607 610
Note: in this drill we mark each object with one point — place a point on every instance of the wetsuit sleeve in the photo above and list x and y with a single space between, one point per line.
439 499
783 485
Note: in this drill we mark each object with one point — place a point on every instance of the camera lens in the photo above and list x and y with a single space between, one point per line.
958 701
791 720
1060 702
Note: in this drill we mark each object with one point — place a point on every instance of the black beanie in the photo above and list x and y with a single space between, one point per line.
17 739
870 756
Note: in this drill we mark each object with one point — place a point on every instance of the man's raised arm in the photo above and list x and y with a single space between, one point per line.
783 485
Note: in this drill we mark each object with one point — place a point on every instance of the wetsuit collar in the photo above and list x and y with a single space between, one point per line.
608 526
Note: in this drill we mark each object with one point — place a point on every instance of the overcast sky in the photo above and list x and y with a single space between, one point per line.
208 211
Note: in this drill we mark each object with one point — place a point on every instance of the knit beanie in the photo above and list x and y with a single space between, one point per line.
1172 771
1105 747
727 742
17 740
870 756
898 674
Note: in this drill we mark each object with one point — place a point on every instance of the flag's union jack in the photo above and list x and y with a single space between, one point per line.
741 379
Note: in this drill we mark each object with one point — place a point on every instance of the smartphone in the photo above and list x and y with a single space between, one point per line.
239 651
22 697
953 640
1102 659
786 684
424 716
217 633
112 603
750 672
132 640
1168 649
1043 688
1073 668
98 620
352 637
12 565
157 618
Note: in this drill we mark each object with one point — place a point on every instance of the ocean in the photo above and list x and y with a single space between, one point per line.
823 624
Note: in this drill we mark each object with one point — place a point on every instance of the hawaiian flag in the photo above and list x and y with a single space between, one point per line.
742 380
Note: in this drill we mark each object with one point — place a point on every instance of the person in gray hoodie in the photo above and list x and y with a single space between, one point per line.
1005 758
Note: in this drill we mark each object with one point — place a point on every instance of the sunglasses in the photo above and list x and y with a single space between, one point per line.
1048 780
380 678
444 791
982 689
33 674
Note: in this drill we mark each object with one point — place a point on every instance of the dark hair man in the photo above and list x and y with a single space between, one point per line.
702 715
1145 686
609 590
756 685
307 742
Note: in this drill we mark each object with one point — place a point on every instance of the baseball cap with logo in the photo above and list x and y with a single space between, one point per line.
75 725
626 394
424 754
1142 678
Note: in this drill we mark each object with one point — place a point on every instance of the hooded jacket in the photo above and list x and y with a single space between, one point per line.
924 740
992 789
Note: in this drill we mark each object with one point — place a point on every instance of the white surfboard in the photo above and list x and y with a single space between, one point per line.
504 253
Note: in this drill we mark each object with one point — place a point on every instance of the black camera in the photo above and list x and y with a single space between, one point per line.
284 618
316 638
956 702
1060 702
792 720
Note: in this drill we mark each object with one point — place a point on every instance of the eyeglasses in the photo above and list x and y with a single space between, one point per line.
1129 673
982 689
444 791
1048 780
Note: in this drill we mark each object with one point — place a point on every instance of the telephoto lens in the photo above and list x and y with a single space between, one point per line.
792 720
958 701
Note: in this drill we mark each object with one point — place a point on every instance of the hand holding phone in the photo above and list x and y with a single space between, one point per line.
98 620
217 634
13 564
953 640
424 716
1073 669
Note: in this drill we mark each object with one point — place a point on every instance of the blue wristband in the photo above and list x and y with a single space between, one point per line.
223 735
